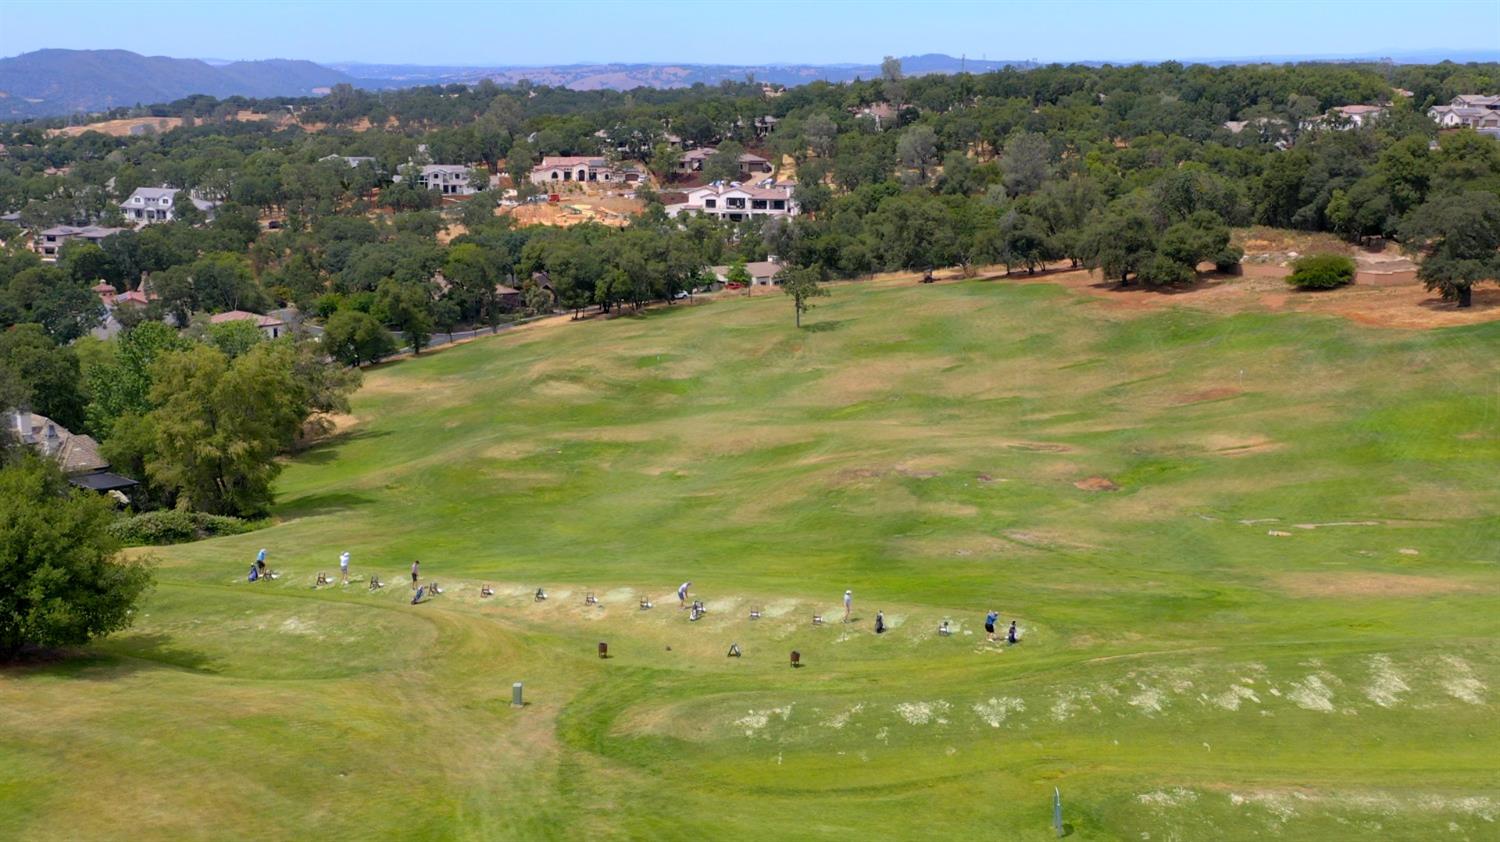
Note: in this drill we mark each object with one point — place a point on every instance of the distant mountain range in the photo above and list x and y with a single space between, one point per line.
620 76
50 83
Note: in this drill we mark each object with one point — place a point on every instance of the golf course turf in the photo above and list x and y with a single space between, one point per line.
1252 558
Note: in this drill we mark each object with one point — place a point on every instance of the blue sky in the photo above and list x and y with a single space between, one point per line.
468 32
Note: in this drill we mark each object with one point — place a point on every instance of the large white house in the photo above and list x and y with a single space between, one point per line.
556 169
451 179
737 202
1474 111
159 204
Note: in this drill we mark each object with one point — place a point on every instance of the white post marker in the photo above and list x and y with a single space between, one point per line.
1057 822
515 696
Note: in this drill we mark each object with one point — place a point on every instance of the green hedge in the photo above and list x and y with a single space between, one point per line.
1321 271
171 526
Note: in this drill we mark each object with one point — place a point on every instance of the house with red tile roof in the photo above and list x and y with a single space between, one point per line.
271 326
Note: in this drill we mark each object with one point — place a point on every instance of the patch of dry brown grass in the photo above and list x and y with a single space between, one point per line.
1363 584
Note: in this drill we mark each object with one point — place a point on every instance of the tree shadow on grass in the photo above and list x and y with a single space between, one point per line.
313 505
141 649
1483 299
326 450
825 327
651 312
108 659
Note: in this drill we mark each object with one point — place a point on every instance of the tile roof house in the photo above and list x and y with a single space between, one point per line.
138 297
158 204
883 113
737 202
271 326
1360 114
556 169
51 241
77 455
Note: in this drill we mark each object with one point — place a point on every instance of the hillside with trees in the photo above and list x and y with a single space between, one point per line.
1140 173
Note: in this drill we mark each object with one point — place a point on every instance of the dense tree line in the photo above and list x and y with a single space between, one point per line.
1030 166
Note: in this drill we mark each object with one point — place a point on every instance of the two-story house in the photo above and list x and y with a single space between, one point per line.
51 241
148 205
737 202
449 179
1475 111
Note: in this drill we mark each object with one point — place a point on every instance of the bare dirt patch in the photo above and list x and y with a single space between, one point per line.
1096 484
853 475
326 425
575 210
1367 584
1216 394
124 127
1038 447
1224 444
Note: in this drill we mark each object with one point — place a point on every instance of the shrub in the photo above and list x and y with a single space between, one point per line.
174 526
62 584
1321 271
1228 260
1161 270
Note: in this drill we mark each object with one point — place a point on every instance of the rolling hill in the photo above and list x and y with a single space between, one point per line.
52 82
55 82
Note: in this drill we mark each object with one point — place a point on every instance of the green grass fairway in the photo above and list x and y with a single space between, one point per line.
1280 625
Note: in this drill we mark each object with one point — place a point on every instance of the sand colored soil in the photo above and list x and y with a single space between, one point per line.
121 128
572 209
1366 584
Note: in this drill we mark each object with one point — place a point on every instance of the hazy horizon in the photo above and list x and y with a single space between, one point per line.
670 32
